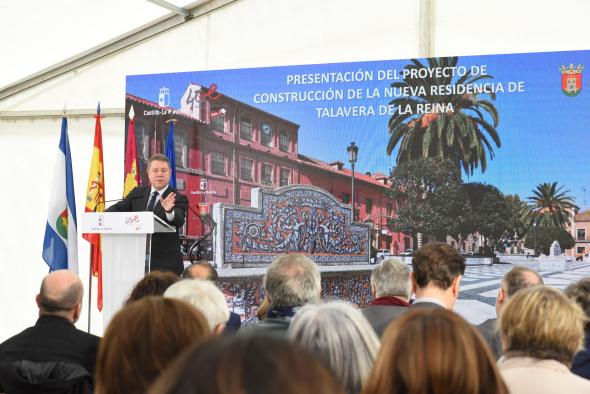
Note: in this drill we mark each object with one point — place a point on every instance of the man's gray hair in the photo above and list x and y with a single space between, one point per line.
392 278
203 295
519 278
338 332
64 302
292 280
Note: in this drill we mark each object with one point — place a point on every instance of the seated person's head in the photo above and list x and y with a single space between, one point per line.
142 339
247 364
153 284
292 280
391 278
339 333
201 270
541 322
61 295
206 297
437 272
516 279
434 351
580 293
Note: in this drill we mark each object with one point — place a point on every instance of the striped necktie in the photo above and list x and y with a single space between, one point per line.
152 202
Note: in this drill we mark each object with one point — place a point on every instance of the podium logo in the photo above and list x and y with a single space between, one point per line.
131 220
100 220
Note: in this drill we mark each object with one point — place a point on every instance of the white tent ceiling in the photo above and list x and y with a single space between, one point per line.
38 34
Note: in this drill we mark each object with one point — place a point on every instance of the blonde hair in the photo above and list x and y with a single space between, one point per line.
543 323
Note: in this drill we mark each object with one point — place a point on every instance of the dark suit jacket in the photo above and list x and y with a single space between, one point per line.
492 336
52 338
581 365
379 316
424 305
165 251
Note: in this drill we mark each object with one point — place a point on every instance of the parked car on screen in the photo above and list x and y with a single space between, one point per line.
407 252
382 254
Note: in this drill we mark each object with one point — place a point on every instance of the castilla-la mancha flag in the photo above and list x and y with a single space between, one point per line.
131 172
95 203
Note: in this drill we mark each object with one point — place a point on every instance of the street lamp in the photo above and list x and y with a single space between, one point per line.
352 156
535 238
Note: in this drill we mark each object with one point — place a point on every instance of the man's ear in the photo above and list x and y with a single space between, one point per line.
456 285
501 298
218 330
373 291
38 300
77 312
413 280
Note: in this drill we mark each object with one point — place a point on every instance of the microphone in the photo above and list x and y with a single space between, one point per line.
115 200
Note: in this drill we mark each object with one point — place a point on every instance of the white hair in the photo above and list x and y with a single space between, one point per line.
292 280
392 278
338 332
203 295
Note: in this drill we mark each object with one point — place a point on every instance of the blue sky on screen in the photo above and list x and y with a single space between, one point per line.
544 133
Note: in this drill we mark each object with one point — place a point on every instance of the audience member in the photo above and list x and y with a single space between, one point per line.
516 279
248 365
291 281
204 270
434 351
541 332
142 339
339 333
154 283
391 289
580 293
53 354
436 277
262 309
204 296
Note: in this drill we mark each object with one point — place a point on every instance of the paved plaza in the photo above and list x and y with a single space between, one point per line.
480 284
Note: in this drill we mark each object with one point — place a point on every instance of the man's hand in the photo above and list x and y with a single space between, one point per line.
168 202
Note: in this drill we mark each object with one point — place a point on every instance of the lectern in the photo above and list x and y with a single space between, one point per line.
126 241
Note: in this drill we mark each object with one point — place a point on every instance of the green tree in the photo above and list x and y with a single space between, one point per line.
490 214
431 198
539 239
464 135
519 219
551 206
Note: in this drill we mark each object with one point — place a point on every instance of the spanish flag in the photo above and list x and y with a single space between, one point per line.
131 169
95 203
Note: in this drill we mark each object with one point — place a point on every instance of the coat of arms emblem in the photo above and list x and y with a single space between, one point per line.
571 79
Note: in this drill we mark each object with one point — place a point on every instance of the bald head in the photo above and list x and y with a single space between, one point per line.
61 294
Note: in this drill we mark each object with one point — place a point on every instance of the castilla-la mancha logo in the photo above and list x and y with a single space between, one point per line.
571 79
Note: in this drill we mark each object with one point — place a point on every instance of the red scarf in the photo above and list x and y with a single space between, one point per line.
390 301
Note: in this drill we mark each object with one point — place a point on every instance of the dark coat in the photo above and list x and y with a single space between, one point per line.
51 353
581 365
165 248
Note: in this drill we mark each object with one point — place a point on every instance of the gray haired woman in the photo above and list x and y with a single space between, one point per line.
339 333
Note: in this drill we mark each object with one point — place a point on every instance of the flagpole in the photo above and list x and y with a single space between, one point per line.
89 290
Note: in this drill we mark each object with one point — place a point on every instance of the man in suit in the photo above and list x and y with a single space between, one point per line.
204 270
168 205
391 289
53 343
514 280
437 272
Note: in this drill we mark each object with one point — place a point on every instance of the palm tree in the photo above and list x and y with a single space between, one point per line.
551 206
464 135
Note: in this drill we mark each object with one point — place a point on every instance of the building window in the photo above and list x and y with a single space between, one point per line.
246 167
285 177
218 119
388 209
142 139
368 206
284 141
217 163
180 148
581 250
345 198
266 135
246 128
266 174
581 234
